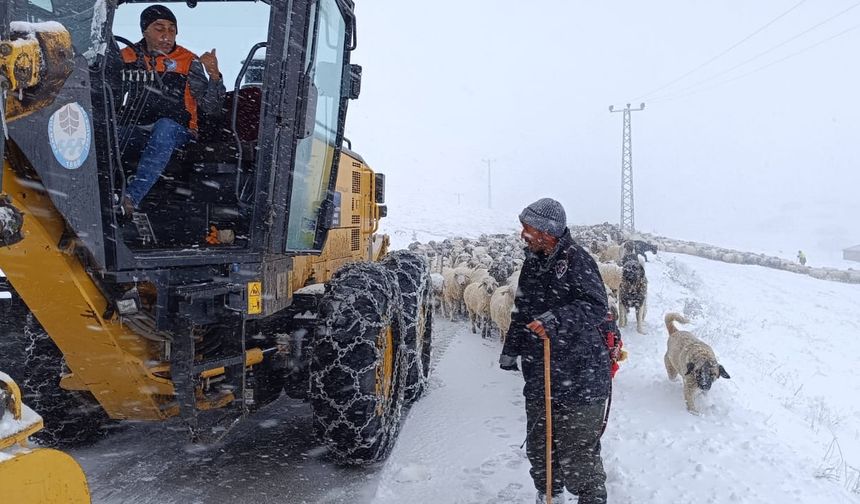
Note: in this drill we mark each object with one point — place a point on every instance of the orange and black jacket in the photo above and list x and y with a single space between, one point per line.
178 89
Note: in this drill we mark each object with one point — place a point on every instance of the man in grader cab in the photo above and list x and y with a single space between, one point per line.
168 115
141 319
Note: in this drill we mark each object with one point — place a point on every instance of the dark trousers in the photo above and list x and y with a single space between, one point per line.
157 144
576 462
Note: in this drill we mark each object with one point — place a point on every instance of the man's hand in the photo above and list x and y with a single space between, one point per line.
537 327
508 363
209 60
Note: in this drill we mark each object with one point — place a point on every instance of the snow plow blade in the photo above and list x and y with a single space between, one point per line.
33 476
42 476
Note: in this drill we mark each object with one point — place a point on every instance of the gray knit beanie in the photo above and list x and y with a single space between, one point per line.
547 215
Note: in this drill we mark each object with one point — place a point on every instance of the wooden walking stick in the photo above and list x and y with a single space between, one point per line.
547 395
538 328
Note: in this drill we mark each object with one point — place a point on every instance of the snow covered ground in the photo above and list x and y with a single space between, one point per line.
763 436
785 428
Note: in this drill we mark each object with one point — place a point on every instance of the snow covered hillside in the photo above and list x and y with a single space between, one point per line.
776 232
784 428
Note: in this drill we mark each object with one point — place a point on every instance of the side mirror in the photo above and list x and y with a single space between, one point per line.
310 108
383 211
354 85
379 193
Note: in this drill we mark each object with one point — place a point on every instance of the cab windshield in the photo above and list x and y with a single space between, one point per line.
231 28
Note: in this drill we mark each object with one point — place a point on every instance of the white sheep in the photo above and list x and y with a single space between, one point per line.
438 283
453 283
501 304
611 254
477 297
514 281
476 275
611 275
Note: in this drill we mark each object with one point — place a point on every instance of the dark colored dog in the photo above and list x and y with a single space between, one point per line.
633 291
640 247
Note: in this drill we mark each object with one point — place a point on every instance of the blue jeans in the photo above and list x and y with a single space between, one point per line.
165 137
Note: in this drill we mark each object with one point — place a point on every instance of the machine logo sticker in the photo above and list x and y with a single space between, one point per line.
70 135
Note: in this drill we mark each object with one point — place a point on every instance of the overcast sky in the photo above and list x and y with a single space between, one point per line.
527 85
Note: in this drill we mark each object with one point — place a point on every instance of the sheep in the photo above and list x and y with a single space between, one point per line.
438 283
476 275
611 275
514 281
485 261
477 297
501 304
462 259
502 268
454 281
611 254
612 301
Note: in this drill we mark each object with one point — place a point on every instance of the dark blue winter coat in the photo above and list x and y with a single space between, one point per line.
565 292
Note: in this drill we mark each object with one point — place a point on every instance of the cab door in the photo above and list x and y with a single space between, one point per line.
313 108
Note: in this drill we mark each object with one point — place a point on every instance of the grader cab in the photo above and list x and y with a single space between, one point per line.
253 267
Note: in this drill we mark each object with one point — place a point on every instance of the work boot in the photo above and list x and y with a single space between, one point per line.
540 498
127 205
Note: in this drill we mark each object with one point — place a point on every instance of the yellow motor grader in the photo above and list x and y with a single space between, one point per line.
253 268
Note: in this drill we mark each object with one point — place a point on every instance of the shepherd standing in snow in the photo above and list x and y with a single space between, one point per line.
801 258
561 297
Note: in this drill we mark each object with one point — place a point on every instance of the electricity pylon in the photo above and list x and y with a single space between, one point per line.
627 221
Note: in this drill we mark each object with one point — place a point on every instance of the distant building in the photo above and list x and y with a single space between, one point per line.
852 253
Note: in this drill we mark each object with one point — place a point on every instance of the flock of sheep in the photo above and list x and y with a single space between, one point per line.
478 277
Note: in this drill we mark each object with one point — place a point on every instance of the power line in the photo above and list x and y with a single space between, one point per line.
708 62
757 56
676 96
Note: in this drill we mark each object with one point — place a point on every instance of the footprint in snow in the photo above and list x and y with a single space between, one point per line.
413 473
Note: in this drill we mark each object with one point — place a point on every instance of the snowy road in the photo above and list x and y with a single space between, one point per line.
762 437
266 460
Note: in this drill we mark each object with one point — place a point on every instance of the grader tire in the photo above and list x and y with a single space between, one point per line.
357 368
416 291
31 358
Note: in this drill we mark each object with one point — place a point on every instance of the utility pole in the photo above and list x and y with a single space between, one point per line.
489 184
627 221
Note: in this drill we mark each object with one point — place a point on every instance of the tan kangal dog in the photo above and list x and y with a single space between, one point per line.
692 358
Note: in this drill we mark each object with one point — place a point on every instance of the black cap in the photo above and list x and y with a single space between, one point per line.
153 13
